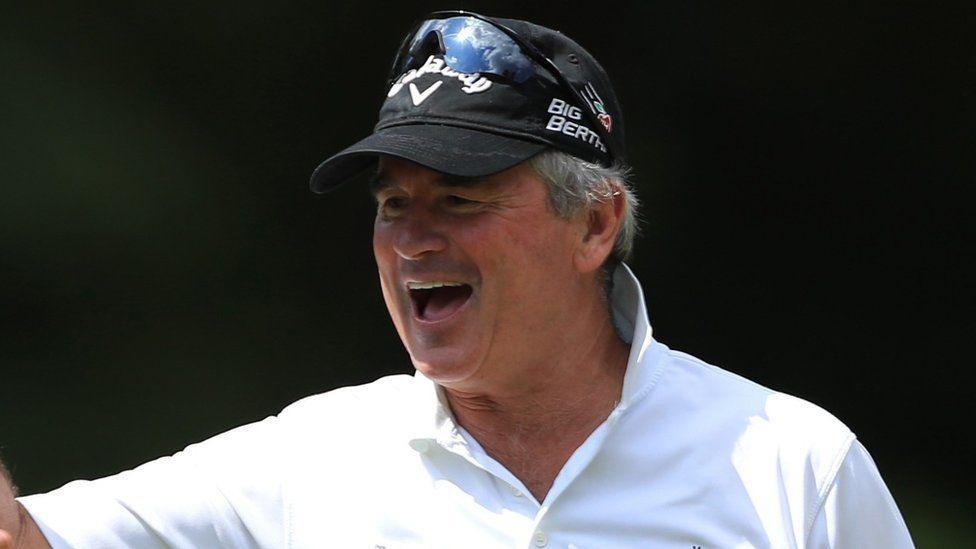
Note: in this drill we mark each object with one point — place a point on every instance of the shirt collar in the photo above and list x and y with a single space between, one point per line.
431 417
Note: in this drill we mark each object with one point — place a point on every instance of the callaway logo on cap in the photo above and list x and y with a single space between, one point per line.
471 96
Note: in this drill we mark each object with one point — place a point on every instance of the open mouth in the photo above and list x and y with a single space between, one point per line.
433 301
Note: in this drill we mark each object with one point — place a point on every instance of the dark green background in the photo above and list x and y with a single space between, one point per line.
165 273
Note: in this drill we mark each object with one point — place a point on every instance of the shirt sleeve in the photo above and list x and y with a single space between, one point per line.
223 492
858 510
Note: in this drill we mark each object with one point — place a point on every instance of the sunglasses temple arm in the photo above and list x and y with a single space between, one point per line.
540 58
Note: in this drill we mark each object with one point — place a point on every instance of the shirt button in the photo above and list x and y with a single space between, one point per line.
516 492
540 538
420 445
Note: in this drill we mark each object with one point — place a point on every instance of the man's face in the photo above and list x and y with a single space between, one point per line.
477 275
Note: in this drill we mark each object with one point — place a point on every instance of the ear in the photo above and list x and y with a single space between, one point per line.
601 225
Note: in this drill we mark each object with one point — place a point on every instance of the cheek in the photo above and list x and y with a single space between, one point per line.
382 247
385 258
537 247
379 237
527 265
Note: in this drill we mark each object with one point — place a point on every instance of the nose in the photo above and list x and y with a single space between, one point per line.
418 235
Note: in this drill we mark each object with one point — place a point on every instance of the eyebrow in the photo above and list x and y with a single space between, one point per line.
379 182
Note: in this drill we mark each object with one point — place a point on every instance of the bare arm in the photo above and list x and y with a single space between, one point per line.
17 529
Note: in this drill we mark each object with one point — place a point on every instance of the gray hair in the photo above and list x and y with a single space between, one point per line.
575 185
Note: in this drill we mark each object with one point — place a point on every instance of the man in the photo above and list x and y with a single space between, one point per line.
543 413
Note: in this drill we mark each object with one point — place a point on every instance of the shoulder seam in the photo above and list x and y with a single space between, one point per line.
845 449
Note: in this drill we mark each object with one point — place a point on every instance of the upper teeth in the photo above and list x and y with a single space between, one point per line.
429 285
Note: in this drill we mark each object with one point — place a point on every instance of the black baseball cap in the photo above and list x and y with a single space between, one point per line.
464 101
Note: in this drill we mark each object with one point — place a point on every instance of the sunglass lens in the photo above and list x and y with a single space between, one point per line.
469 45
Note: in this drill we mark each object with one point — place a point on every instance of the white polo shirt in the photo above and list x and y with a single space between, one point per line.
693 456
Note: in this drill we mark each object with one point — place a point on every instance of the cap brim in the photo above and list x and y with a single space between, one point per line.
453 150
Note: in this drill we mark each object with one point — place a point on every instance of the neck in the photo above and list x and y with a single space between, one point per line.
573 387
533 427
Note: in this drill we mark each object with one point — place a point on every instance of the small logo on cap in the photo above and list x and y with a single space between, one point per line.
568 120
595 103
418 96
471 82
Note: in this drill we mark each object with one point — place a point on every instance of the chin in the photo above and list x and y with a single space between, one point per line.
444 366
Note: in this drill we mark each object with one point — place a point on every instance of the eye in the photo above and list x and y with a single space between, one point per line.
460 201
394 202
390 205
